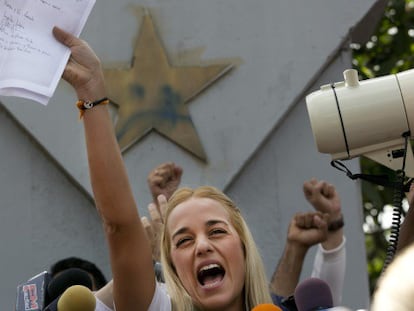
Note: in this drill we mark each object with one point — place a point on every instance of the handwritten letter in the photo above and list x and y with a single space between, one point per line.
31 60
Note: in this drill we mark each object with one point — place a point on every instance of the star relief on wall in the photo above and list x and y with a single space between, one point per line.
153 94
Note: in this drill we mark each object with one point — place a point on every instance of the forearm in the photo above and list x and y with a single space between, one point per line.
287 273
130 251
406 236
330 266
334 239
112 192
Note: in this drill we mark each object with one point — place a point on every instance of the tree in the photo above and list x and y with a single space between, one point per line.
390 50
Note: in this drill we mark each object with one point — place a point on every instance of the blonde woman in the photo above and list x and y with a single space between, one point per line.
209 257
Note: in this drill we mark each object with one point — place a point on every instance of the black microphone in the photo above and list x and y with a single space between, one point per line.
67 278
32 294
64 280
313 294
74 298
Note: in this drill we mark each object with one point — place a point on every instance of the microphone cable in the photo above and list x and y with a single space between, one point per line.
397 210
399 187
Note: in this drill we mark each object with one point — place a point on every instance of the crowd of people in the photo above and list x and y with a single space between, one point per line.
195 251
305 230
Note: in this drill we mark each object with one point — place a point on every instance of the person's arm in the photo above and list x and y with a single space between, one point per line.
406 236
325 199
305 230
162 181
330 258
130 252
330 266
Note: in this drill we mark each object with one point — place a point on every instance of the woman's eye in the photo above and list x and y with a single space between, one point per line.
217 231
182 241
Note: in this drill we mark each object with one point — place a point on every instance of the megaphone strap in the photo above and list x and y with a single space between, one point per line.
382 180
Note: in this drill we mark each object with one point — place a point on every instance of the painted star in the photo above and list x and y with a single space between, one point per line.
153 95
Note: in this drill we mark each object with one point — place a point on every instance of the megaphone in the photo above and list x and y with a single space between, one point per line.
371 117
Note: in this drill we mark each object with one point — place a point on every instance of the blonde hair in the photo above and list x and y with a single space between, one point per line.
256 289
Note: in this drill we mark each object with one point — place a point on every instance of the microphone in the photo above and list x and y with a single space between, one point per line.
32 294
64 280
67 278
266 307
313 294
74 298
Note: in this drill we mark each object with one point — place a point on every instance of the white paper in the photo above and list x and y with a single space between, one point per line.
31 60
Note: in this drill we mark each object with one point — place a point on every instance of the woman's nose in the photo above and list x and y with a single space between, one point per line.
203 245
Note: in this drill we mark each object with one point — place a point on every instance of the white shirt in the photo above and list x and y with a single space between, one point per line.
160 301
329 265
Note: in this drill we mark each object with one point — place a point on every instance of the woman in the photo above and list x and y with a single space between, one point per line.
205 230
209 257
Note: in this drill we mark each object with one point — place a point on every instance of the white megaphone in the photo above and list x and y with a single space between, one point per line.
369 117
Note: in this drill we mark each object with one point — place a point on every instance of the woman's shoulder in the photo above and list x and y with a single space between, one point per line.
161 300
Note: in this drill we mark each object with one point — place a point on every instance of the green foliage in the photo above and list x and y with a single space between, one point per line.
390 50
374 199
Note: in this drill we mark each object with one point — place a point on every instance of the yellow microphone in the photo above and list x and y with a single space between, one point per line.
77 298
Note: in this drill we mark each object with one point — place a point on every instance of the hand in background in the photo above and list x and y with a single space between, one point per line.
308 229
164 179
325 199
153 227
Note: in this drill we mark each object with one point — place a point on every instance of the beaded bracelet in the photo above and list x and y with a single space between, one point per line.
87 104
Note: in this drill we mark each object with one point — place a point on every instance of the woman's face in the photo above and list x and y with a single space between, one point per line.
207 254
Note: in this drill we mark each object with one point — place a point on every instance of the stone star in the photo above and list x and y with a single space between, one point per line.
152 94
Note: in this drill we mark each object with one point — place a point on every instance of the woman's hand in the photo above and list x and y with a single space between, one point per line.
83 70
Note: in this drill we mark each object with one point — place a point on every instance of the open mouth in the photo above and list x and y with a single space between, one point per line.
210 275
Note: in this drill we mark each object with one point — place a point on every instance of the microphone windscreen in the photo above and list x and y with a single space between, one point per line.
313 294
67 278
77 298
266 307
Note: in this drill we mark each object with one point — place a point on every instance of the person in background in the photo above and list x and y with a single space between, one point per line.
323 228
395 287
406 236
97 277
395 290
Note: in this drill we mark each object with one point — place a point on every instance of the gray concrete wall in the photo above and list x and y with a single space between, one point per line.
43 216
253 125
269 192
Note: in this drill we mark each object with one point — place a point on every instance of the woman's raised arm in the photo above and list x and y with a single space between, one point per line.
130 252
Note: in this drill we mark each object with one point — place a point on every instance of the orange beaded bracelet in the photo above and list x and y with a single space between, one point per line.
87 104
